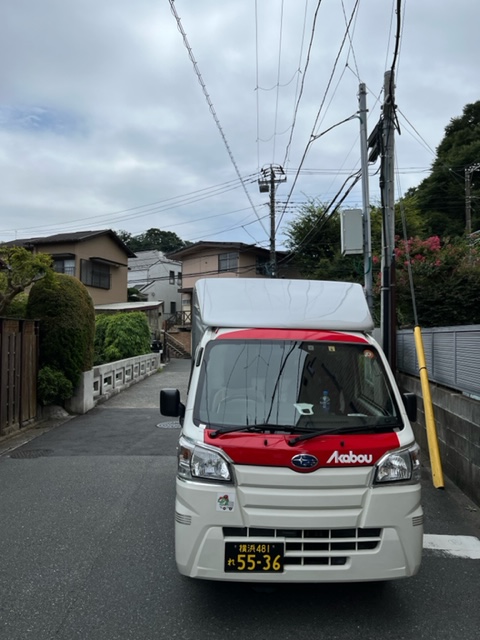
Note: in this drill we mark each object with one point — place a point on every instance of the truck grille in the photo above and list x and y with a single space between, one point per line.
314 546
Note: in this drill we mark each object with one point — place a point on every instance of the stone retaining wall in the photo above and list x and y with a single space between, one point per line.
457 419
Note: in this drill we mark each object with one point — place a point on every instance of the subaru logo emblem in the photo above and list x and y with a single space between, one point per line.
304 461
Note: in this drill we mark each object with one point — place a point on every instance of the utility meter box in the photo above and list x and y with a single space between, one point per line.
351 226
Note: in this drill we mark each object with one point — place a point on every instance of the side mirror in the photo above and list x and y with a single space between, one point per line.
410 402
170 404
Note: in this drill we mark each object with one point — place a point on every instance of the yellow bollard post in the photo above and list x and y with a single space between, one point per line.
436 463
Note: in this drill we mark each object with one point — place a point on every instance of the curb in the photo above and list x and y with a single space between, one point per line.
15 440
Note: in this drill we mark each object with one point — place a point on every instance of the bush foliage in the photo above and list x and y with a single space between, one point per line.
122 335
67 324
53 387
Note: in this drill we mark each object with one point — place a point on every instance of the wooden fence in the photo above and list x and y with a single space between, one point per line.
18 373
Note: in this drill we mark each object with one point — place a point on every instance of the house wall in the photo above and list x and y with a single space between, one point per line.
205 264
100 247
154 279
248 266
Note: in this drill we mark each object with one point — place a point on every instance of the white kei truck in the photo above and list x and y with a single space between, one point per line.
296 459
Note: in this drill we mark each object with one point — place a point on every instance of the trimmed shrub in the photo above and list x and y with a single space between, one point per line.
53 387
67 324
122 335
101 324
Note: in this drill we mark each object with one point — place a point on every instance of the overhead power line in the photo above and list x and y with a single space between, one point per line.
210 105
350 38
307 62
278 82
312 136
347 32
143 210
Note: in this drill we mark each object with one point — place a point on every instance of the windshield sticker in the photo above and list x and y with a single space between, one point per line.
331 348
368 353
225 501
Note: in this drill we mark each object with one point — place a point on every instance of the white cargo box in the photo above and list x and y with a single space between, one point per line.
282 304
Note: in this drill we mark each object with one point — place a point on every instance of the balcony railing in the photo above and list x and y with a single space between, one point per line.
179 319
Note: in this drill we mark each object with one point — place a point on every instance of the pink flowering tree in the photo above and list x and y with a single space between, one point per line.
446 280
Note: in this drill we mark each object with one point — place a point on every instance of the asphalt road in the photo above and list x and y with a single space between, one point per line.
86 540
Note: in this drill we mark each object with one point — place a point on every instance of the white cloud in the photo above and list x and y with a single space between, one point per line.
101 111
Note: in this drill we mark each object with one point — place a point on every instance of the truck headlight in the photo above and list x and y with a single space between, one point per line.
196 461
402 465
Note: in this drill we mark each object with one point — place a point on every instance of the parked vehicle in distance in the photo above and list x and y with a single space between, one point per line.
296 460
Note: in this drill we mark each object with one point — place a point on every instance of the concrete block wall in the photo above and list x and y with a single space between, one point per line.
105 380
457 418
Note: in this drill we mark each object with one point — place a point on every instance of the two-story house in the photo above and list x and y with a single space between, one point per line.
225 260
158 278
99 259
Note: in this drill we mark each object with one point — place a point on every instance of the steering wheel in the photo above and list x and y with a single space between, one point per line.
248 396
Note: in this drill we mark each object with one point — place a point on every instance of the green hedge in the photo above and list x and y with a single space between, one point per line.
53 387
122 335
67 324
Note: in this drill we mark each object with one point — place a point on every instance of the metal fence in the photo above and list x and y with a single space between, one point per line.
18 373
452 355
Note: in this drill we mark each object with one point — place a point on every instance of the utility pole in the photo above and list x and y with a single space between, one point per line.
468 196
270 177
367 234
388 298
273 254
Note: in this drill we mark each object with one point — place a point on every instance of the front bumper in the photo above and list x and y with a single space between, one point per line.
334 526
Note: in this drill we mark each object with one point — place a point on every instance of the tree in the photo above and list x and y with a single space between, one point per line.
125 237
121 335
446 273
405 207
19 268
67 324
166 241
446 278
441 196
314 238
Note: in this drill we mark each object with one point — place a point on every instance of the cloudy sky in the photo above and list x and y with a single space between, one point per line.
104 123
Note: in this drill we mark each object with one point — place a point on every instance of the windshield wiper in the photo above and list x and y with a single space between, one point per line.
258 427
345 429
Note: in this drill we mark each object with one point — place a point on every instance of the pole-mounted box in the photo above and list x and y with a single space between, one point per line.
351 227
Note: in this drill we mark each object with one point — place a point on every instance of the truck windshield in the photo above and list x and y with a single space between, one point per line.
294 384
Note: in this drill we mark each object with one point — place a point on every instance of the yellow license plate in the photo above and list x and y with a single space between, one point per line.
253 557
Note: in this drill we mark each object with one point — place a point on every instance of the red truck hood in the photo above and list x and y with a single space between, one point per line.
329 450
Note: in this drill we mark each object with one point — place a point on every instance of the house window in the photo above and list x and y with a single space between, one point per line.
228 261
172 277
179 278
64 265
95 274
262 266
